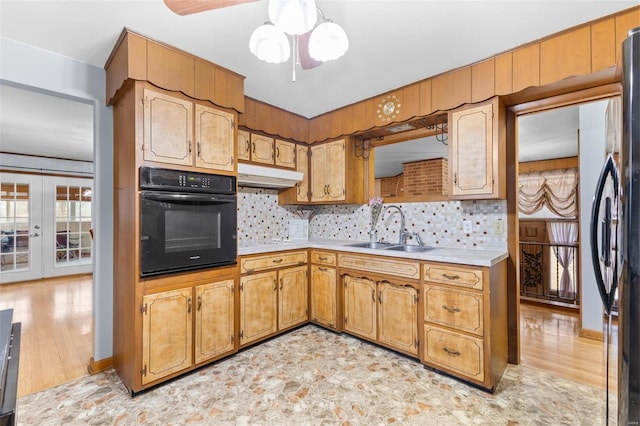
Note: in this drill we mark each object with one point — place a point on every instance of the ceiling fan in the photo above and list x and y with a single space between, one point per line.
188 7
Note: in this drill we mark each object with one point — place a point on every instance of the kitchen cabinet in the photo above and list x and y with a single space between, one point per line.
477 152
261 149
169 126
379 304
258 306
328 171
299 194
465 321
215 320
166 333
324 290
273 294
285 154
243 148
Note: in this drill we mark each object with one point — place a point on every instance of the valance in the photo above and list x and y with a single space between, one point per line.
555 189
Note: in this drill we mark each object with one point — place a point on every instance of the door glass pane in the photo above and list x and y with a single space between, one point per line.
14 226
73 221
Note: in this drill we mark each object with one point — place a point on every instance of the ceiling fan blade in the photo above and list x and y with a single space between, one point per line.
187 7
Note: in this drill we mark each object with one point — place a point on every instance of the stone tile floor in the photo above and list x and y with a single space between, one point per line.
314 377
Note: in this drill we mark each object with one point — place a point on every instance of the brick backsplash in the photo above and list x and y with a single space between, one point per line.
261 219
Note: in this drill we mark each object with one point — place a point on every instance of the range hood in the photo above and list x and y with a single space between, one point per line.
266 177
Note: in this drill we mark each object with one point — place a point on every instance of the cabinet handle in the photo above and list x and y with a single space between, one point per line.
189 144
298 188
373 295
189 305
323 258
199 303
450 352
198 149
322 269
380 296
246 144
451 310
281 284
254 147
277 260
275 285
455 178
451 277
277 152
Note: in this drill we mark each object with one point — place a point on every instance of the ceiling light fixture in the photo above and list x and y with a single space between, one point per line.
327 40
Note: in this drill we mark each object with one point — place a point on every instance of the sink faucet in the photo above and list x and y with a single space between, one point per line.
404 232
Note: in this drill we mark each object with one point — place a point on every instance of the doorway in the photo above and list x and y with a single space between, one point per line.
45 224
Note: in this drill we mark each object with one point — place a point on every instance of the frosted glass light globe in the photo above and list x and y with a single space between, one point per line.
294 17
328 41
269 44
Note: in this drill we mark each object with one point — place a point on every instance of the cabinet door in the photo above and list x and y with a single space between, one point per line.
168 127
336 171
293 298
285 154
323 296
360 307
398 317
258 306
261 149
318 173
214 138
214 320
244 145
166 334
471 162
302 165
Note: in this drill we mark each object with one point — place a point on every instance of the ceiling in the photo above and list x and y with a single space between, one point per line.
392 43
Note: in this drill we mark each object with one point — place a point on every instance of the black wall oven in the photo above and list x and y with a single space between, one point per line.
187 221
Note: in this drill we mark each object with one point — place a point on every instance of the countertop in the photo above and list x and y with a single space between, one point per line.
476 257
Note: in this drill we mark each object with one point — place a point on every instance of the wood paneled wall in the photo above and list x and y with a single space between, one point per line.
544 165
577 52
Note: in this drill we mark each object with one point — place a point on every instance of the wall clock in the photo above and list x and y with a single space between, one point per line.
388 109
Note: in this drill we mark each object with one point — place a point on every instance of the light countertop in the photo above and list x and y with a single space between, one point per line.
476 257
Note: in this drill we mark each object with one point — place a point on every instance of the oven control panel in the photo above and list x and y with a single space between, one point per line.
180 180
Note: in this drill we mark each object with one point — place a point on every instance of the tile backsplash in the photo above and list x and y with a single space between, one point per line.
261 219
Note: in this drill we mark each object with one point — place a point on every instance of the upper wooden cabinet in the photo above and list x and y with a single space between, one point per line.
476 152
261 149
169 125
244 145
285 154
137 57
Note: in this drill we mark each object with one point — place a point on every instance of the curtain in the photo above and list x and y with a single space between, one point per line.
555 189
564 233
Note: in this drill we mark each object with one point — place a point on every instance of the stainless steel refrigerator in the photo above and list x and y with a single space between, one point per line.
615 240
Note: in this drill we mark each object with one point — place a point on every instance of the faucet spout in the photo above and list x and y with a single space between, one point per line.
402 232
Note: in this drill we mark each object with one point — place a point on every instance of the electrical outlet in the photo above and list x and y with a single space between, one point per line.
467 226
498 227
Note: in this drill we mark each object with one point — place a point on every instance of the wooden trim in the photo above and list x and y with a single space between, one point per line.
544 165
582 96
95 367
591 334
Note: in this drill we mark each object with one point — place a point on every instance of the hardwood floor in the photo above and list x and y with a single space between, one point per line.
57 335
550 341
57 329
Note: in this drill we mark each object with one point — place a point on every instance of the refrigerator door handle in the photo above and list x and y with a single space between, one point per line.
607 295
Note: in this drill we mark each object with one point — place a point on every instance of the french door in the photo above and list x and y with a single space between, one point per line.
45 224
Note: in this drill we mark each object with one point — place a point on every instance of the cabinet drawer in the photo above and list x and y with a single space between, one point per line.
380 265
455 352
454 308
277 260
454 275
323 258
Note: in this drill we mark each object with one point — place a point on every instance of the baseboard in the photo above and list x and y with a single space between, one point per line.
100 365
591 334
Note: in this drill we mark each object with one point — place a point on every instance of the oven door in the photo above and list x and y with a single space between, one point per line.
182 231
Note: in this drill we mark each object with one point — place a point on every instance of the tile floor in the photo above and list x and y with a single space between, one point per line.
315 377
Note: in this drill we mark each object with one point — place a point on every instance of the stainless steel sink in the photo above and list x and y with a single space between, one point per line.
372 245
410 249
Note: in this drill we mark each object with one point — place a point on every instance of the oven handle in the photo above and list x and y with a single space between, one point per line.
170 196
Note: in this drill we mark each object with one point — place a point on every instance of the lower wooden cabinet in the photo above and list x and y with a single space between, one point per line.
456 352
324 296
215 320
293 297
166 333
382 311
258 306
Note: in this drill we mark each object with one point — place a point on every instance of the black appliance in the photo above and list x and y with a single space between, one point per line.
10 333
187 221
615 240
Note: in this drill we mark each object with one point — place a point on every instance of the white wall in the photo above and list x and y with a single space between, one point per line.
592 156
41 70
